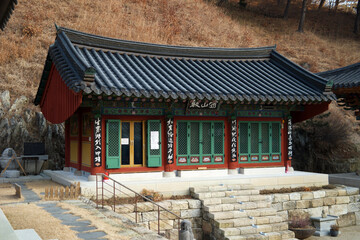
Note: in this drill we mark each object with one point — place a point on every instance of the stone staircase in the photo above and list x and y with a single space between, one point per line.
237 212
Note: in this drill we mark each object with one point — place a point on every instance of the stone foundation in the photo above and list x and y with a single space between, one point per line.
147 216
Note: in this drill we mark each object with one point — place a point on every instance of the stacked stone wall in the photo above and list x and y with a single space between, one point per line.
343 202
190 209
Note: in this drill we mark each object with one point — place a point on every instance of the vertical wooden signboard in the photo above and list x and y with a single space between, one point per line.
97 142
233 141
290 140
170 140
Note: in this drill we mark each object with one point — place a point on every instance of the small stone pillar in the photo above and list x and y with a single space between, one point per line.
323 224
186 231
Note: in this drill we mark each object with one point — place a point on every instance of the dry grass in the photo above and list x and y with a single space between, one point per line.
327 43
7 194
112 226
25 216
39 186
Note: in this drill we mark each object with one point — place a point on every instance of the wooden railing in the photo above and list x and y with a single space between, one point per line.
109 190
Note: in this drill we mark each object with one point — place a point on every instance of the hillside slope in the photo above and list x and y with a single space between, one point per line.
326 44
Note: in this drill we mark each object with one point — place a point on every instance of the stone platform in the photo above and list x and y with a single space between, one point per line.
179 184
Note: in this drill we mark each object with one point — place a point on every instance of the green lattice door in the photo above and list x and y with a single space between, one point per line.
154 143
113 144
200 142
259 142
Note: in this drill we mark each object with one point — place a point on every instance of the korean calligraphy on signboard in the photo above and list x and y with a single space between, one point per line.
97 142
233 141
202 104
290 142
170 140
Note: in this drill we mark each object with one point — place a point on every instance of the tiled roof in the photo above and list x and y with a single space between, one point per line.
99 65
345 77
6 9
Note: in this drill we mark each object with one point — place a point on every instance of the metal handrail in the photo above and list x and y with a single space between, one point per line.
136 194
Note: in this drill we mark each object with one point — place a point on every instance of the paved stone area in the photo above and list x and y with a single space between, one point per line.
346 233
81 226
28 195
348 179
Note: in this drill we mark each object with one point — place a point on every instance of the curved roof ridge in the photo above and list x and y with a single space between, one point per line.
338 70
92 40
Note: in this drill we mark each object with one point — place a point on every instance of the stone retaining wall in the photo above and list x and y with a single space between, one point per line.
343 202
190 209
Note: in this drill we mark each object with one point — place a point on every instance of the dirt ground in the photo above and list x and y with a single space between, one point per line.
7 194
27 216
347 233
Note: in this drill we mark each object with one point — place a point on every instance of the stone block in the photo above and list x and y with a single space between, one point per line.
179 205
302 204
267 211
125 208
240 222
277 206
354 207
262 220
307 196
284 215
331 193
227 223
228 207
357 217
352 191
211 201
294 196
243 198
274 236
148 216
198 233
346 220
329 201
168 215
247 230
190 213
342 200
166 204
276 227
231 231
281 198
17 190
145 207
316 212
319 194
253 213
338 210
217 194
275 219
206 227
164 225
193 203
257 198
264 228
172 234
319 202
289 205
342 192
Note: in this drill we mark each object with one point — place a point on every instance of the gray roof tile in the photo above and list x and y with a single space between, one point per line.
160 71
345 77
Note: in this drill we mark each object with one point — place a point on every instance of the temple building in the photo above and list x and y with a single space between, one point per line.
140 107
346 86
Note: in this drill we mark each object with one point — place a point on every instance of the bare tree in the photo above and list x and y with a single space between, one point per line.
322 2
286 12
302 17
357 19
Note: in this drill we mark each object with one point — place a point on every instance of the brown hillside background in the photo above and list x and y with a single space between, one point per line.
328 41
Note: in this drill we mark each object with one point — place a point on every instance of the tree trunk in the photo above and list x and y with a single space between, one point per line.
302 17
321 4
336 6
357 19
220 2
286 12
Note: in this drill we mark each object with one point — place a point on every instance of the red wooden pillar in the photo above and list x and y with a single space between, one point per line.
67 143
284 143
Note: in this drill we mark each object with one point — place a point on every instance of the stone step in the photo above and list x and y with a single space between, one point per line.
233 194
235 199
221 187
236 206
261 212
254 229
282 235
240 222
